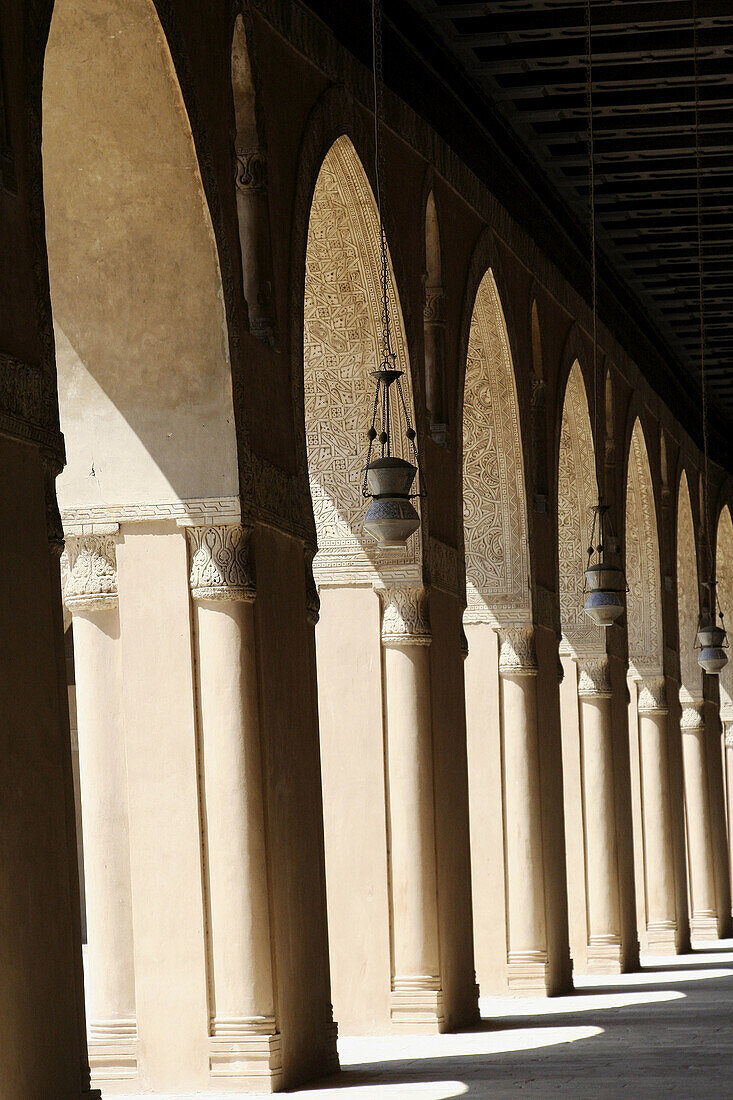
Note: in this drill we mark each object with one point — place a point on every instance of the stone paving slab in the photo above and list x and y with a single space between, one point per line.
666 1031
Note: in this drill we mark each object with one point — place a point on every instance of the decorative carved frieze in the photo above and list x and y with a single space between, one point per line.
594 678
220 563
251 170
517 652
494 504
29 405
652 696
89 571
643 574
405 618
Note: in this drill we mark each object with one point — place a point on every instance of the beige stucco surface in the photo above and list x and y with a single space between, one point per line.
144 383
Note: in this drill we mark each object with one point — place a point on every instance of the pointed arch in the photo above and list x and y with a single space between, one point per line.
136 290
643 572
724 575
341 346
688 604
577 493
494 497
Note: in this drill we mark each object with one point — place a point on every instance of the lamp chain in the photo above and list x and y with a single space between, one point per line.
592 203
701 304
380 176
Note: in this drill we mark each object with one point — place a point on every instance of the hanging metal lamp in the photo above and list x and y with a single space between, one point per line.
606 583
391 517
711 638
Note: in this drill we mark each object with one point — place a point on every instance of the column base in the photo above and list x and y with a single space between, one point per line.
113 1050
703 926
661 937
605 955
246 1052
527 973
417 1005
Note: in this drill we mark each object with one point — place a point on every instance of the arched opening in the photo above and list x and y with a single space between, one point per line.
341 347
592 774
504 769
652 809
434 327
724 575
696 746
146 409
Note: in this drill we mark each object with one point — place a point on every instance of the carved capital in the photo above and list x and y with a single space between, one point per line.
652 696
594 678
464 644
221 563
312 599
693 717
404 615
54 526
89 571
434 308
251 170
728 734
517 652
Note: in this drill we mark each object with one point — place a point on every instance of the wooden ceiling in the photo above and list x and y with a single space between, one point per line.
526 59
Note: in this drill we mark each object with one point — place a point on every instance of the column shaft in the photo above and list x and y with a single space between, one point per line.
90 594
416 984
599 812
244 1044
703 908
526 915
656 808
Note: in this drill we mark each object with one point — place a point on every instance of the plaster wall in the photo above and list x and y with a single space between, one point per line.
485 802
165 845
354 805
141 341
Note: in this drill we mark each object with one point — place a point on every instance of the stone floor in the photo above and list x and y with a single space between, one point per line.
665 1031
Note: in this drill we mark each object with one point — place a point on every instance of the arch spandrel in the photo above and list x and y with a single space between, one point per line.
577 494
724 575
342 339
687 594
643 573
494 500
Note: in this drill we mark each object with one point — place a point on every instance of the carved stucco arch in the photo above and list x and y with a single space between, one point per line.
642 562
688 603
494 495
577 493
341 344
724 575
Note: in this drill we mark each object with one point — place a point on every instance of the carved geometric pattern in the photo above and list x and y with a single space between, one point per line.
577 493
724 574
494 511
341 347
643 575
687 593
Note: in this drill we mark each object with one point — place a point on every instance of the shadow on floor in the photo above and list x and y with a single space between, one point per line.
666 1030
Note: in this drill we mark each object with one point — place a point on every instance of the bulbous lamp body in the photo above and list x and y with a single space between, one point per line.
712 657
605 601
391 517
